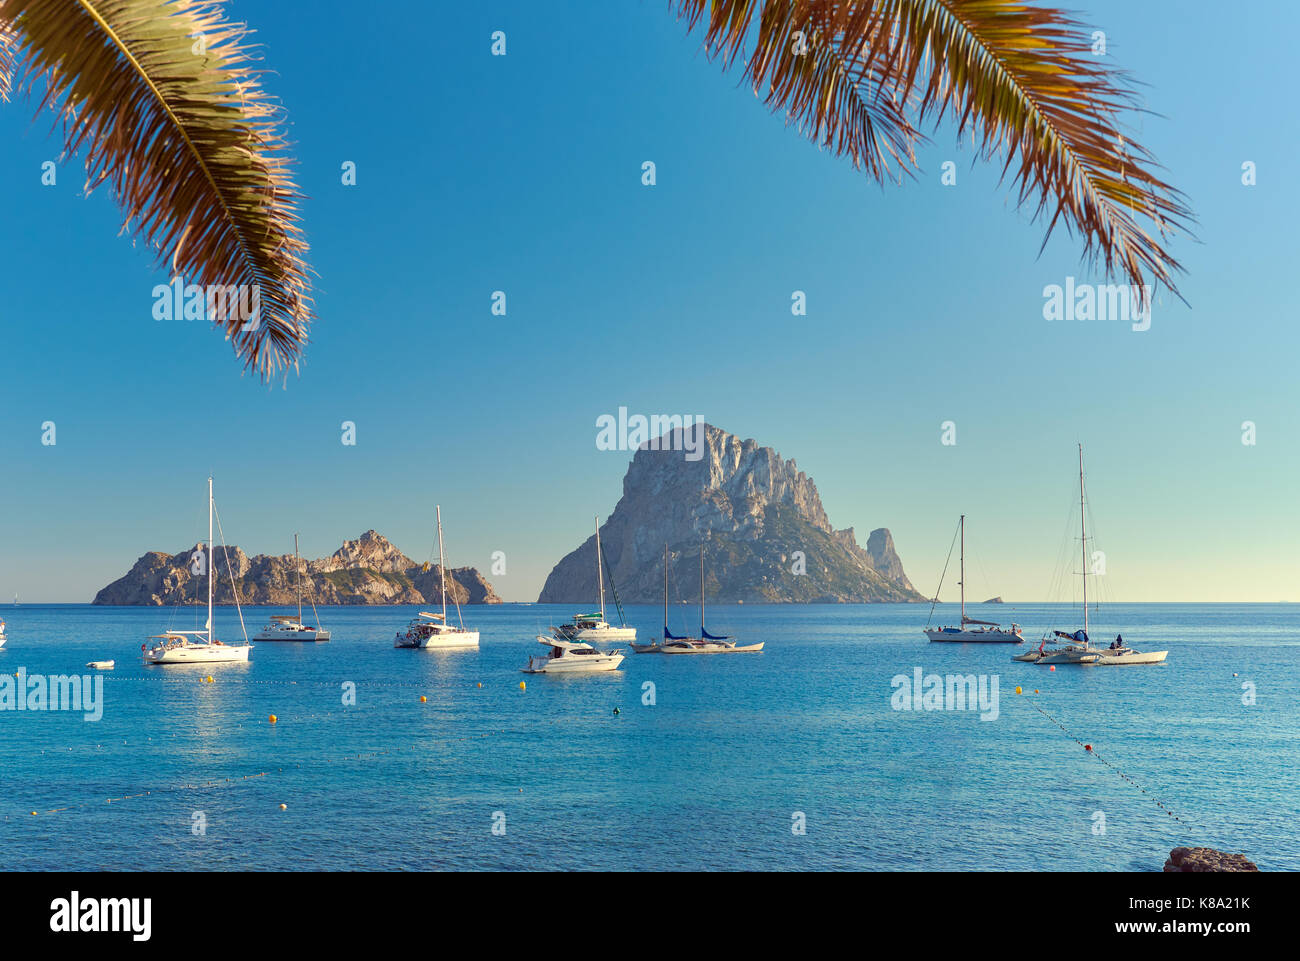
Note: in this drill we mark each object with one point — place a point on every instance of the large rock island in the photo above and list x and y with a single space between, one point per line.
368 570
767 538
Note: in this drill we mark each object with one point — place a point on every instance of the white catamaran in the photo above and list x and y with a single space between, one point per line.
971 631
429 631
199 647
594 627
286 627
706 643
1079 649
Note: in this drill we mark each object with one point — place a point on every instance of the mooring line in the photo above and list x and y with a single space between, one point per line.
1093 751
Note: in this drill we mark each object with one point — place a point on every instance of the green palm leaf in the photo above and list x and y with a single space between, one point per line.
162 98
1020 80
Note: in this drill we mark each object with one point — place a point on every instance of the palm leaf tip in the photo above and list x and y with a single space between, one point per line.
7 44
1020 79
164 99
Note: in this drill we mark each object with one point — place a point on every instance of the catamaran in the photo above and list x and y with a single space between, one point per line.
971 631
594 627
429 631
1078 649
572 657
706 643
199 647
286 627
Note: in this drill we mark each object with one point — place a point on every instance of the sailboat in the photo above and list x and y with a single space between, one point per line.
198 647
286 627
971 631
1079 650
706 643
2 632
429 631
594 627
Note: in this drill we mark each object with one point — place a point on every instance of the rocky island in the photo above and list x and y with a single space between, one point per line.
767 538
368 570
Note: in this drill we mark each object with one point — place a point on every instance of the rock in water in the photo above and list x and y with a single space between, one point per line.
368 570
994 600
767 537
1202 860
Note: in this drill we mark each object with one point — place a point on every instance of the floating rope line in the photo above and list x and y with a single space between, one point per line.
1093 751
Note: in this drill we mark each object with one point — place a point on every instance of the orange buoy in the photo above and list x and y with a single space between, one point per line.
273 719
1052 668
423 698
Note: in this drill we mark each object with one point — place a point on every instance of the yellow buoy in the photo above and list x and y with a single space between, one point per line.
1017 690
423 698
523 686
273 719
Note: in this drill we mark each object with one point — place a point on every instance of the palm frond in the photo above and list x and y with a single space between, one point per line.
1019 79
163 98
7 44
798 71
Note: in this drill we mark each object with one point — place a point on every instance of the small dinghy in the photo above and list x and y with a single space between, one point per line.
101 665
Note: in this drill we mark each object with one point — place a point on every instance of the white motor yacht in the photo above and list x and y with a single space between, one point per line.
572 657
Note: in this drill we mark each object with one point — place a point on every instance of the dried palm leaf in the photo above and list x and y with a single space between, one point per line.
1019 79
163 98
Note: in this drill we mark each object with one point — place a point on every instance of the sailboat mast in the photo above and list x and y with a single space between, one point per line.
701 588
442 569
297 570
600 574
211 560
665 588
1083 541
962 582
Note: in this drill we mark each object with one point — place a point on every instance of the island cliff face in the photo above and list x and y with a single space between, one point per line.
368 570
766 536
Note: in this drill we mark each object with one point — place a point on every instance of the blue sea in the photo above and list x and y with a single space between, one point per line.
792 759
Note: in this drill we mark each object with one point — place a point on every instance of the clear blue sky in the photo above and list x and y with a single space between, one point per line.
522 174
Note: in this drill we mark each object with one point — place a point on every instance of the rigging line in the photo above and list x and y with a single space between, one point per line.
613 590
1093 751
935 601
234 588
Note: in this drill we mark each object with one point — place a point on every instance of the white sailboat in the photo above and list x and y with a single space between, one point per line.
572 657
594 627
286 627
706 643
1079 649
198 647
2 632
429 631
971 631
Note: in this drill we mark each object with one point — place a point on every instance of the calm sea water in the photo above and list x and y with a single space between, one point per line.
709 776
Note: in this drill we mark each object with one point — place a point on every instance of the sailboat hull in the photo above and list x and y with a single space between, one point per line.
974 637
449 641
199 654
604 634
303 635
